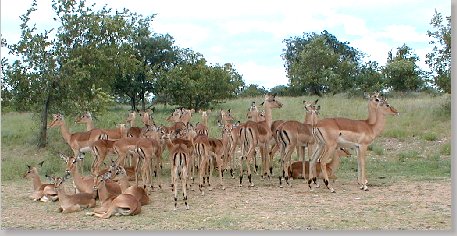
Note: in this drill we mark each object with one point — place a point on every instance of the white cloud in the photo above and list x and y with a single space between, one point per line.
249 34
262 75
403 34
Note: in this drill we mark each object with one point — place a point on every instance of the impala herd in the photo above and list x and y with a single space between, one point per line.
137 153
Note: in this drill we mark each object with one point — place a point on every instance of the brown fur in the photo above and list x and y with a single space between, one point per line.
343 132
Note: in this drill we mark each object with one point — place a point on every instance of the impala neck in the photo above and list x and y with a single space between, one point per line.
372 114
205 121
146 118
123 182
132 122
65 132
378 126
268 115
36 182
311 118
89 125
76 175
103 194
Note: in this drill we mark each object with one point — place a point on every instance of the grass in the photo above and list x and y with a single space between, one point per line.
410 153
20 130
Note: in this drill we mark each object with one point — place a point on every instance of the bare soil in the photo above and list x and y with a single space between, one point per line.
402 205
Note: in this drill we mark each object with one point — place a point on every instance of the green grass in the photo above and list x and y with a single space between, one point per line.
19 132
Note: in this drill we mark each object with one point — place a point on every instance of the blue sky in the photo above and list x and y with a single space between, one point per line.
249 33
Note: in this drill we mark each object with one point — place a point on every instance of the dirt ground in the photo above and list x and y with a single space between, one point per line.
401 205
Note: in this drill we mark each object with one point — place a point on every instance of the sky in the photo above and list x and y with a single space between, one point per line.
250 33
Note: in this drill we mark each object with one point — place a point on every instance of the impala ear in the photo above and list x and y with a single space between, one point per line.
41 164
315 102
29 167
261 104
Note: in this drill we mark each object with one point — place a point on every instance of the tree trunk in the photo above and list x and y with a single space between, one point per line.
42 141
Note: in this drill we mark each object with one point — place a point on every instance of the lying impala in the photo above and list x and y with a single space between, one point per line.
74 202
341 132
296 168
113 204
121 177
41 192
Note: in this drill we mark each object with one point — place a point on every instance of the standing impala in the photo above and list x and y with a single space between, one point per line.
79 142
358 134
258 134
293 135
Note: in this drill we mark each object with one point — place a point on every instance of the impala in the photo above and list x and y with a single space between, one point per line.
295 170
79 142
72 203
81 183
114 204
150 152
120 175
179 157
145 118
358 134
217 150
100 149
258 134
132 131
205 115
86 118
293 135
41 192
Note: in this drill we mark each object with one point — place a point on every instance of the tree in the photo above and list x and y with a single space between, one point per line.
369 79
71 71
281 90
253 90
194 84
319 64
401 71
439 60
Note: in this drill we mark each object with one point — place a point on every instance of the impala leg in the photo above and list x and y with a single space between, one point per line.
219 167
184 184
312 164
274 150
326 158
175 189
287 159
361 159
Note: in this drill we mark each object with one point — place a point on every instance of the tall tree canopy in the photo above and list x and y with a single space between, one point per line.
319 63
402 72
71 69
439 60
194 84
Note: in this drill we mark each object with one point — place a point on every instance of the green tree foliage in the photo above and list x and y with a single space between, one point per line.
401 71
369 79
194 84
253 90
281 90
72 70
319 63
439 60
